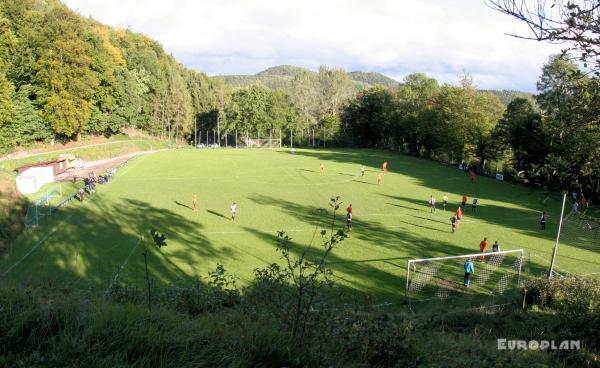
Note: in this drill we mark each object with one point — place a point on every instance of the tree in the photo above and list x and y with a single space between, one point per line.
414 97
7 48
462 121
282 112
25 125
64 73
305 96
248 110
575 23
521 131
367 118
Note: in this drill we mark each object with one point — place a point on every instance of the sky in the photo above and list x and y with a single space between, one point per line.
442 38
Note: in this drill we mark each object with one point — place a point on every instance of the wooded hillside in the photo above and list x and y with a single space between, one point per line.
62 75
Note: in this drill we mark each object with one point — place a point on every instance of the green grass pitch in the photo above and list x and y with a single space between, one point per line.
86 244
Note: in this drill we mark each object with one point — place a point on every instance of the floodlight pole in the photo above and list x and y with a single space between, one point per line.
562 210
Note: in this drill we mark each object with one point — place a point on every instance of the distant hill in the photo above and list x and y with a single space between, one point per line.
506 96
283 71
279 77
373 78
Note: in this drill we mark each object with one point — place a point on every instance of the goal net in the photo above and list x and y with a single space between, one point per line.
441 278
580 230
42 206
263 143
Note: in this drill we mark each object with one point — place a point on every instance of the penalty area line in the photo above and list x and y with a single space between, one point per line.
126 261
39 244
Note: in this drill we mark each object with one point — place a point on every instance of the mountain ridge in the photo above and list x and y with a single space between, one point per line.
278 75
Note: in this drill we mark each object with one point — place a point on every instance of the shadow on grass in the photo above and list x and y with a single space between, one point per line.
94 241
441 178
381 278
182 205
218 214
425 227
364 182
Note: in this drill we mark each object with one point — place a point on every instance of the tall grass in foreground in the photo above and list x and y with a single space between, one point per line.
206 326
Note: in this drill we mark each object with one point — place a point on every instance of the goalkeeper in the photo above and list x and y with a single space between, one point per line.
469 270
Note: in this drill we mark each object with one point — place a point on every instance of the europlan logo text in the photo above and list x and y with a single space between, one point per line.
505 344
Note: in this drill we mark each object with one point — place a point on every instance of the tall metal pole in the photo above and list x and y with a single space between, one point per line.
407 278
195 132
562 210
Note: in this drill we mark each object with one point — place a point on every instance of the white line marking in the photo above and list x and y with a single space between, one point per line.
126 260
39 243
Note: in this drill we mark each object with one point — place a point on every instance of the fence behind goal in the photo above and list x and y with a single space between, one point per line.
495 278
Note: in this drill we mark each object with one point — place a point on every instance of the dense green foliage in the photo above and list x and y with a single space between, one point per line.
452 123
62 75
555 148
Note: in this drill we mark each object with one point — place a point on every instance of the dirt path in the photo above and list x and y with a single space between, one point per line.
25 154
100 166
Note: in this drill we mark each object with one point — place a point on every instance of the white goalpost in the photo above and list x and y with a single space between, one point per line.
42 206
263 142
578 229
441 278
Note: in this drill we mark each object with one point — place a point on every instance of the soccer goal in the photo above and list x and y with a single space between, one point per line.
581 230
441 278
263 143
42 206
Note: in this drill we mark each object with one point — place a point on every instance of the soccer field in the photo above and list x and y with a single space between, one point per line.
87 244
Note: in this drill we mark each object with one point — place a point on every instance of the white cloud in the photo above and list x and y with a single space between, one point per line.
438 37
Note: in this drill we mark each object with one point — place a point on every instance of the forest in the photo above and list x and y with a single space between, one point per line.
63 76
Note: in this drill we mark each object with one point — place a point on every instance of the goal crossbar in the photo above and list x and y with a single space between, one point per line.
465 256
413 262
